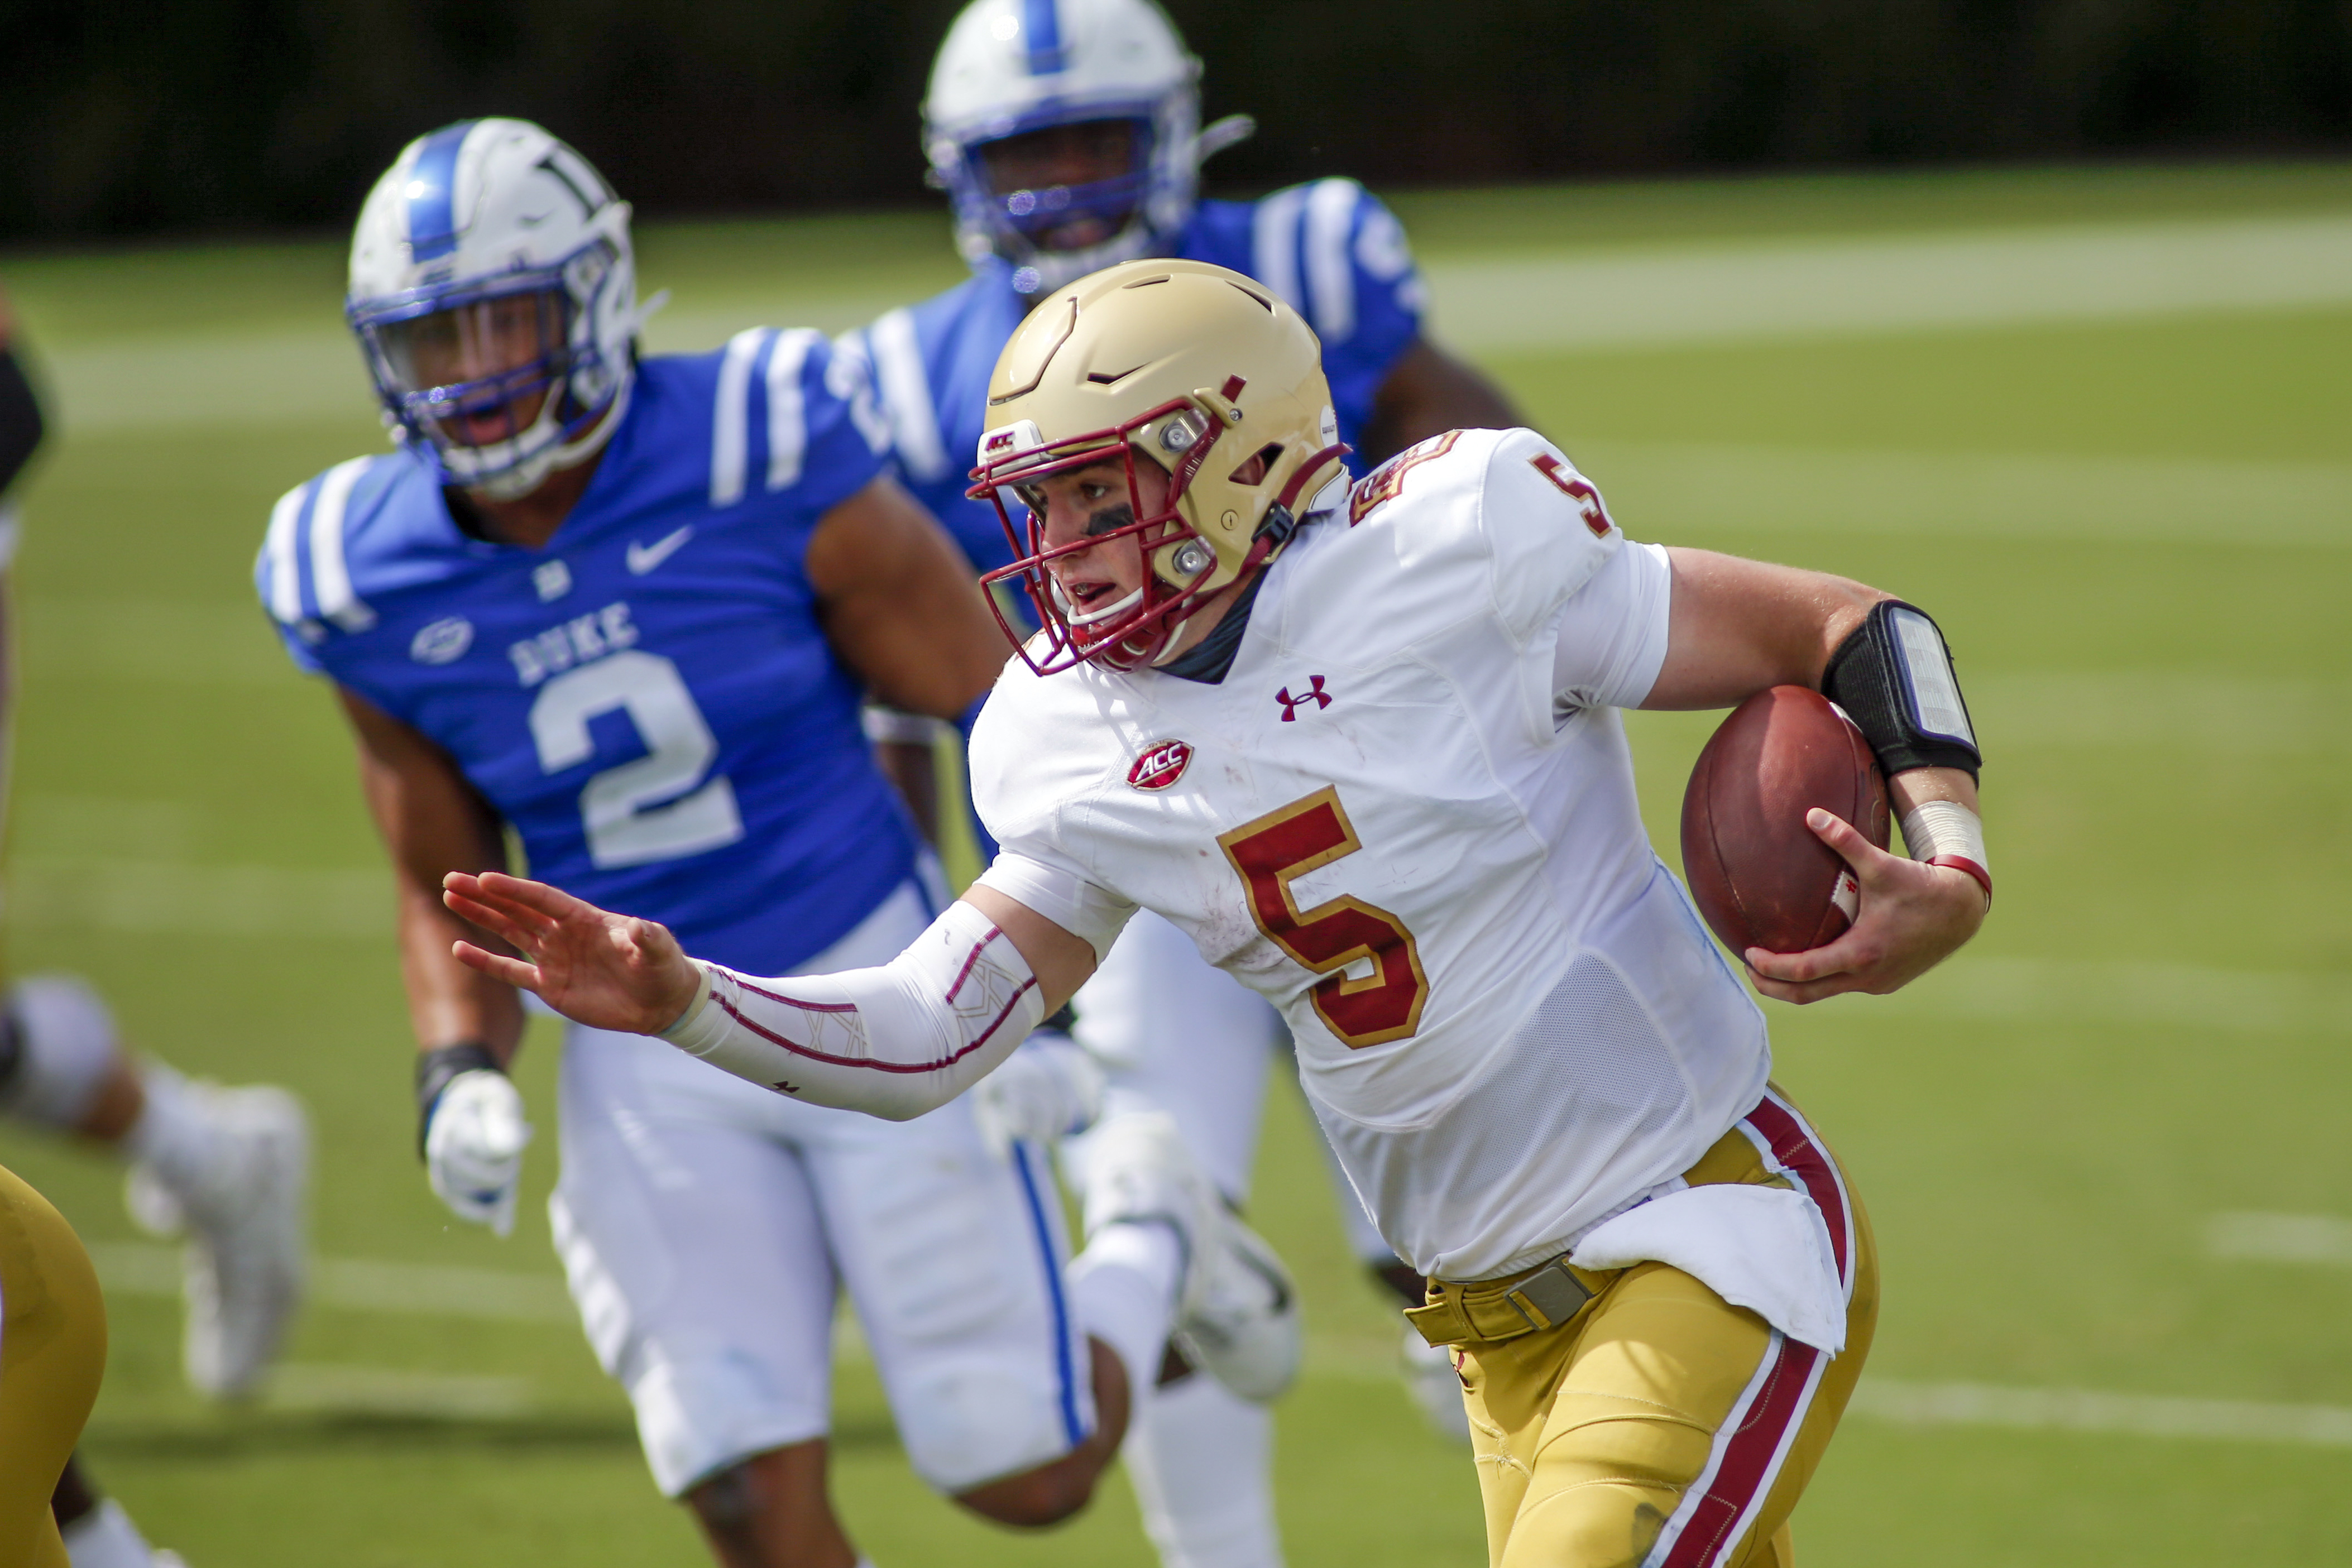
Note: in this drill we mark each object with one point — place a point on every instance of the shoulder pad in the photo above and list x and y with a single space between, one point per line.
1492 516
1300 241
904 380
760 388
303 574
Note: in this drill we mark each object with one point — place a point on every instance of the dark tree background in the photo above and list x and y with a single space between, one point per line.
125 117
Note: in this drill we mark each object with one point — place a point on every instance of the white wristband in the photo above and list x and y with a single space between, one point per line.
1947 833
692 1031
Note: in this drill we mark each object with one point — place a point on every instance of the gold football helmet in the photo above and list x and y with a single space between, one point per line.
1202 370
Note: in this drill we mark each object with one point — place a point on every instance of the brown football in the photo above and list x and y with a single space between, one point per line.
1758 874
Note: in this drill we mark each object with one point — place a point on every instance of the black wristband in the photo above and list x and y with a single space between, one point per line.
434 1069
1893 677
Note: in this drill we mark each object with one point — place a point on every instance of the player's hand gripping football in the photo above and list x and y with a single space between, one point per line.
1912 916
604 971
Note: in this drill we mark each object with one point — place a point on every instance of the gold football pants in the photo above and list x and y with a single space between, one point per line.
1660 1426
52 1351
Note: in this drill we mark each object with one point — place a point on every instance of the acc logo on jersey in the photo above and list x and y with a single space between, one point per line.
1161 765
442 642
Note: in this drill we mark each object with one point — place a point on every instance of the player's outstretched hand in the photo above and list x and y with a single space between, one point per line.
1912 917
606 970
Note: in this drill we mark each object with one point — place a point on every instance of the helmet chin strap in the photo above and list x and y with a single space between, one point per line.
1172 649
1275 532
521 480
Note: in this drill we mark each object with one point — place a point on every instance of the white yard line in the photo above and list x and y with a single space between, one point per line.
1905 1403
2315 1238
2186 711
2089 1410
1661 490
367 1285
394 1391
168 898
2073 991
1800 288
1627 299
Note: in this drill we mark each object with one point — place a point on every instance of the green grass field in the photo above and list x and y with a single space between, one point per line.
2133 522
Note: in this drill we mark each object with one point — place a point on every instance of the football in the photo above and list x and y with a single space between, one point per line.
1760 875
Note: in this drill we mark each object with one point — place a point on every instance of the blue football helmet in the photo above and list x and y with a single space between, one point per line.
494 294
1011 68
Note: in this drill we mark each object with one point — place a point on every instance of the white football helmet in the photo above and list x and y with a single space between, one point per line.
494 294
1011 66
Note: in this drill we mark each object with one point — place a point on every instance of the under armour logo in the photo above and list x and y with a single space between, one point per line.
1314 693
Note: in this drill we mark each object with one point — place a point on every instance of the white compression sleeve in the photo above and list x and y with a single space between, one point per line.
893 1042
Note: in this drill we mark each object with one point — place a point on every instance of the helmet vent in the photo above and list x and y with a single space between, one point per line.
1261 463
1112 378
1261 301
1145 282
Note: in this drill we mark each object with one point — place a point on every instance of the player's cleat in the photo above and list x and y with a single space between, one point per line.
1435 1387
242 1216
1237 1314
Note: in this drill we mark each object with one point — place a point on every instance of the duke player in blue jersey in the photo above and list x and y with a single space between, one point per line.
626 609
1065 134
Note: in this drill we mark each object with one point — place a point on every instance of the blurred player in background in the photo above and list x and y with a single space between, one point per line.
1551 1088
229 1167
1067 135
626 609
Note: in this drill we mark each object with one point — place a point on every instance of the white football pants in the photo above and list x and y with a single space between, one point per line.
706 1224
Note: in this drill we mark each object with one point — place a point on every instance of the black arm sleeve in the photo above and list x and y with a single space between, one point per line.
20 419
1894 678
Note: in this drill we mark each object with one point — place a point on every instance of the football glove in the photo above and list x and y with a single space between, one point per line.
473 1147
1048 1089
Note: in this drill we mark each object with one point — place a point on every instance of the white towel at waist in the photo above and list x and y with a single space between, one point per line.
1763 1247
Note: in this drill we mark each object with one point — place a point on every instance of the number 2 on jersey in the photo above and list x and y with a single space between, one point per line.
1285 844
620 808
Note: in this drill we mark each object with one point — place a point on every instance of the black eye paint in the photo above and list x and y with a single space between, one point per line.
1110 519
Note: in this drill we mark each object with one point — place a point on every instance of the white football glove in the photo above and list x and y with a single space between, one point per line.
1048 1089
473 1147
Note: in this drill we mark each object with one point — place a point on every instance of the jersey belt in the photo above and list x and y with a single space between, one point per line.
1543 1297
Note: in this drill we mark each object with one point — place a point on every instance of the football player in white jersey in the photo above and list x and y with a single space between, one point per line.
1067 136
1360 745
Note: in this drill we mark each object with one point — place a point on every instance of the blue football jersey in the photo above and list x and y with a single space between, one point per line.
649 700
1330 249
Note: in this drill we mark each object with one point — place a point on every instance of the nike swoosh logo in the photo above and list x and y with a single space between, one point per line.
643 558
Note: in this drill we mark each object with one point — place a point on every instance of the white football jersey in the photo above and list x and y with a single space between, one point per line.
1408 820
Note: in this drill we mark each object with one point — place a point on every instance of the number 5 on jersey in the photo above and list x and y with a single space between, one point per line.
1285 844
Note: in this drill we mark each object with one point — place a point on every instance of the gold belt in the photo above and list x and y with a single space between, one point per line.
1544 1297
